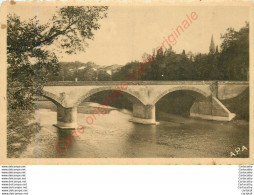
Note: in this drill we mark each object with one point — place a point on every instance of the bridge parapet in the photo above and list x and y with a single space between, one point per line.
107 83
99 83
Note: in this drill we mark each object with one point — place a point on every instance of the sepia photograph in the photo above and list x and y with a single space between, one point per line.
125 81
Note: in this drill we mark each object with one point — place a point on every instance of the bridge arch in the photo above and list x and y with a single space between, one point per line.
52 97
134 98
181 88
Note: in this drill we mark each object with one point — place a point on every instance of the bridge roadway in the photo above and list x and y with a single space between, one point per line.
67 95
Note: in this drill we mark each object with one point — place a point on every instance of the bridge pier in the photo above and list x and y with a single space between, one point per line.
211 109
66 117
144 114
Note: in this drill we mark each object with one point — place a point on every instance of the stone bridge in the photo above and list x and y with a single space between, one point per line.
144 94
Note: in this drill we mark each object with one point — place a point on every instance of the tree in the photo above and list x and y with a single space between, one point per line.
103 76
123 74
234 58
29 58
217 49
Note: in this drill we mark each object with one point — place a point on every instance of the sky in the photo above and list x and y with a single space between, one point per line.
129 32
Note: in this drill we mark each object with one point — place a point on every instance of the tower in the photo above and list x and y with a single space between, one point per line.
212 46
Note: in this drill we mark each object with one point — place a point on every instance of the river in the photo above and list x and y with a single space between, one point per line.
112 135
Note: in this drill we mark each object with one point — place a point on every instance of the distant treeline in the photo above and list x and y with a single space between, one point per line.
228 62
231 62
71 71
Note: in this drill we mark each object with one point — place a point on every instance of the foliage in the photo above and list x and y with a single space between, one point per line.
20 131
89 71
231 63
234 58
103 76
29 58
123 73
